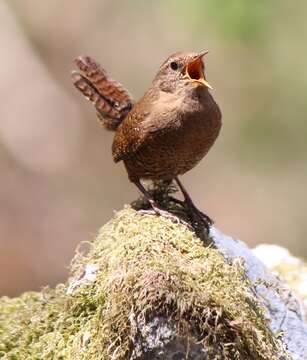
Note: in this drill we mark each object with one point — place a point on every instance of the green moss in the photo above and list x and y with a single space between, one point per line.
146 265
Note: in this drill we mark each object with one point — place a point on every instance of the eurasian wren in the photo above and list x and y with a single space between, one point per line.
167 132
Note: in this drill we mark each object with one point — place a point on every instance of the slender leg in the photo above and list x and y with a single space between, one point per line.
196 215
177 201
156 209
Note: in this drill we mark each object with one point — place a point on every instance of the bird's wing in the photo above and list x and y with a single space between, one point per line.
132 133
154 115
111 100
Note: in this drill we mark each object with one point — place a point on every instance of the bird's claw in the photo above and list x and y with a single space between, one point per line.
200 220
196 216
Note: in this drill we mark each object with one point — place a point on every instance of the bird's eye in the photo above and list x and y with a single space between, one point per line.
174 65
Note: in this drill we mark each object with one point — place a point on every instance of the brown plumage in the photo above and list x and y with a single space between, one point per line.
111 100
168 131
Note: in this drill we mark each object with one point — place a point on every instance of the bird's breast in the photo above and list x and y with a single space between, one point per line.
181 133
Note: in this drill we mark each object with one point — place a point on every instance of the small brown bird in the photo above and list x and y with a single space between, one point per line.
167 132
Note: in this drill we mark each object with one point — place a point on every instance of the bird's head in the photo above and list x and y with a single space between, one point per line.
181 70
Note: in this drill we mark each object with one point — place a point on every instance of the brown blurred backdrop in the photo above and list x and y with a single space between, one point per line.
58 181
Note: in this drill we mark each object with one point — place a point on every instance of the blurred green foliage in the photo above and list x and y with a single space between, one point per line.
243 20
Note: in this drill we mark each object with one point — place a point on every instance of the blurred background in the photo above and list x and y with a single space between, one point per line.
58 181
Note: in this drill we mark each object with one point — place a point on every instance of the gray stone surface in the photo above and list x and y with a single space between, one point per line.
157 340
283 308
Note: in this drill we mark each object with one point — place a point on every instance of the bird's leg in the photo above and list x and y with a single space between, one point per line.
197 216
156 209
177 201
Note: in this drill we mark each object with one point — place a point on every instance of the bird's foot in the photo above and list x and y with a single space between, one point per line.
204 217
197 217
199 220
155 210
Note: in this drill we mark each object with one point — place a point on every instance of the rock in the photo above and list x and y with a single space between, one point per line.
289 268
283 308
149 289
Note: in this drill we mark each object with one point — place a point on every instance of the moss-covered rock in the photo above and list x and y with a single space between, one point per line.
144 283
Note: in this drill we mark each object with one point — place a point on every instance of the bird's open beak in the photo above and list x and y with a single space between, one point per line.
194 70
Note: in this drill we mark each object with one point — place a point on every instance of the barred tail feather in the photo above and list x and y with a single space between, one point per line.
111 100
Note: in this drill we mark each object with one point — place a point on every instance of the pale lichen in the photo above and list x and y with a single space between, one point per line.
289 268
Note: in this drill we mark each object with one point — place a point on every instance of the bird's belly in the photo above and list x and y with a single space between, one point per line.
172 152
